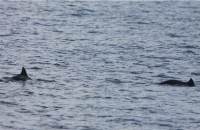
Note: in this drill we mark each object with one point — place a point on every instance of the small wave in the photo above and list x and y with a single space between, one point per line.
46 80
105 116
60 127
28 93
136 72
117 81
107 97
40 63
68 39
190 52
175 35
23 110
195 73
57 108
5 35
82 39
120 120
190 46
25 18
43 107
76 15
93 32
35 68
148 98
8 103
57 31
165 125
62 64
142 23
87 10
1 80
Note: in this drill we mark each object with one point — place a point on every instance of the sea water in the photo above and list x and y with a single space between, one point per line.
96 65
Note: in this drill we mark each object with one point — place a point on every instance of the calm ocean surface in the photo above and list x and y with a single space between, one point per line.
99 65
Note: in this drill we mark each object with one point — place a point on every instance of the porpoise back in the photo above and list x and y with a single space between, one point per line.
177 82
22 76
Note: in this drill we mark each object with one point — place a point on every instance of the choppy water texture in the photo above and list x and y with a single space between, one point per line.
99 65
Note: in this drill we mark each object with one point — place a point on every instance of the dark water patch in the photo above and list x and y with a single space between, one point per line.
28 93
173 35
43 107
136 72
25 18
143 23
164 76
23 110
35 68
165 125
10 114
68 39
86 128
94 32
140 83
72 5
48 95
57 107
87 10
61 52
41 111
132 120
135 98
88 115
35 33
2 94
9 103
148 98
196 73
122 90
8 127
190 52
42 63
57 31
46 115
153 111
82 39
130 109
108 97
61 64
1 80
150 90
190 47
47 81
5 35
116 81
76 15
59 127
86 97
105 116
121 120
144 108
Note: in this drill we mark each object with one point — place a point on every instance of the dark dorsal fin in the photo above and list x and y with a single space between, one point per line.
191 82
23 72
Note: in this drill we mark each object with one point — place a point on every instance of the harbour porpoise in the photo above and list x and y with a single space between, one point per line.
190 83
22 76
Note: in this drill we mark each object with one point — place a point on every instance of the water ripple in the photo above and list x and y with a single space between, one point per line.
97 65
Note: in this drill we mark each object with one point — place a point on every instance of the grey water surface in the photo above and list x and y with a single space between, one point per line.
97 65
